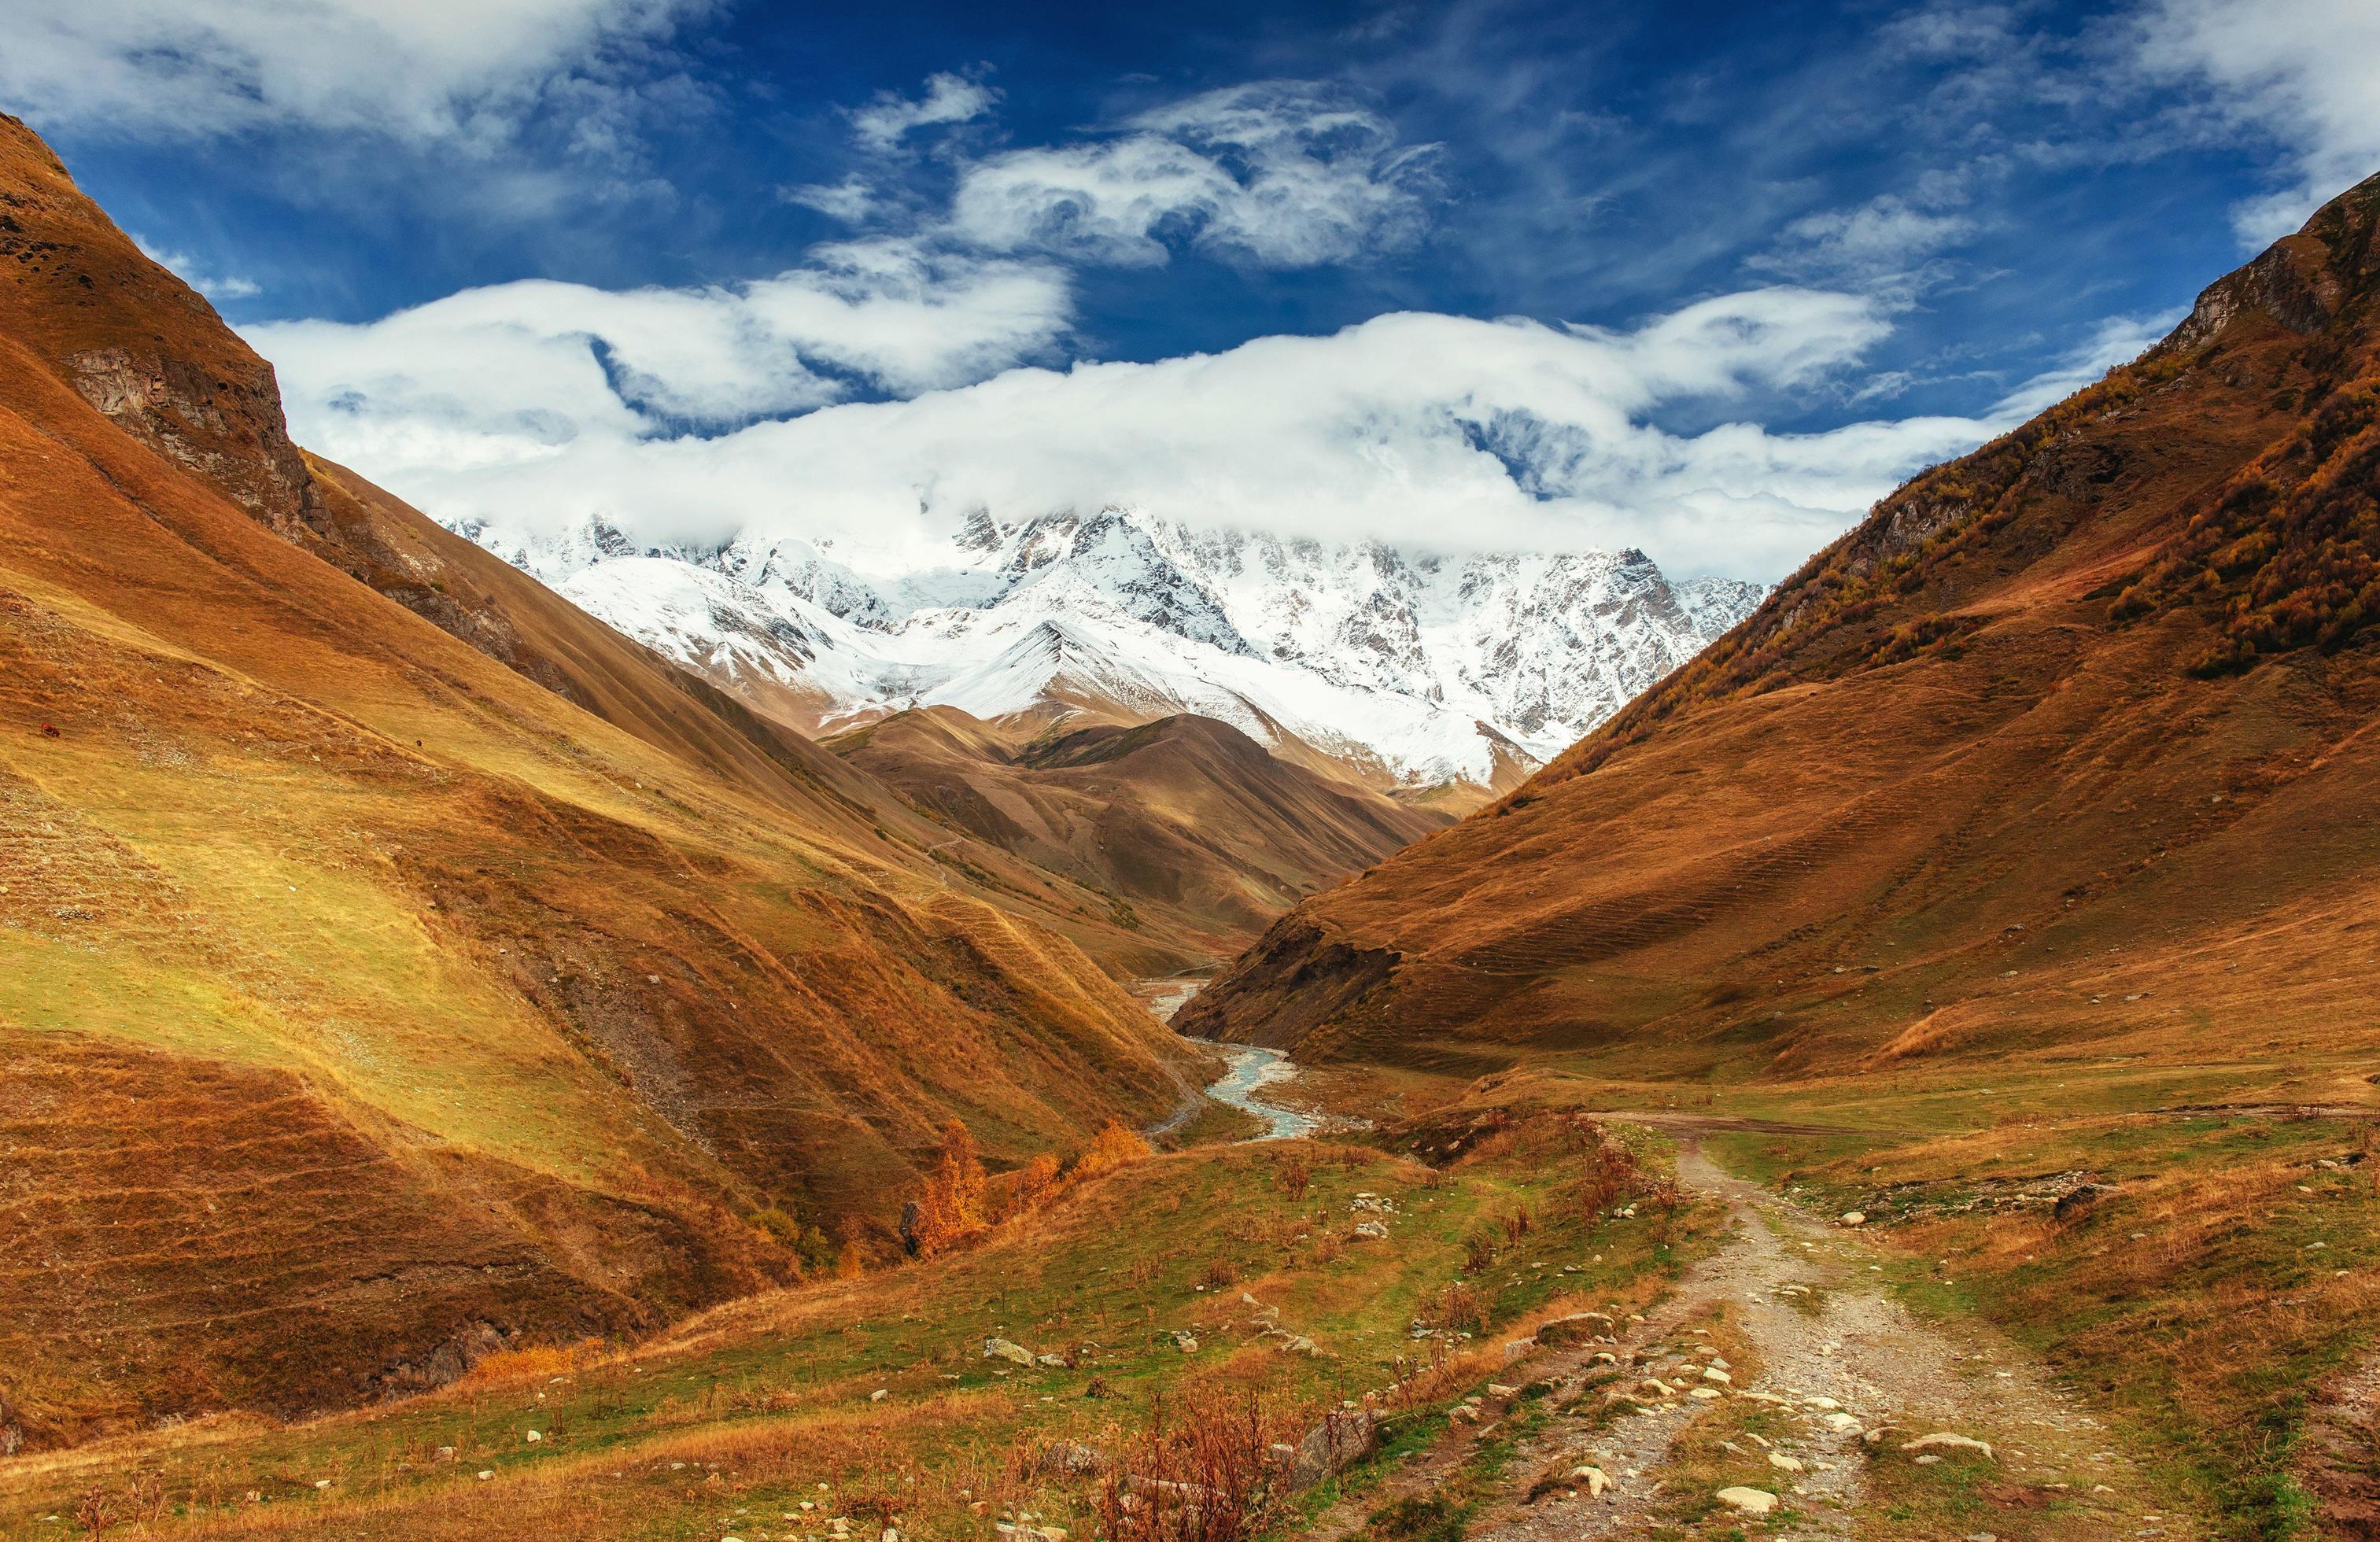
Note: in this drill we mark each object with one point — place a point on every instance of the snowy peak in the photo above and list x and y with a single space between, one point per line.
1412 669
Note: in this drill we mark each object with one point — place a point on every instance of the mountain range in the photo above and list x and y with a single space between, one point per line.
1432 677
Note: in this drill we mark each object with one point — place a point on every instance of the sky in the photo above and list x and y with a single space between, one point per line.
1705 279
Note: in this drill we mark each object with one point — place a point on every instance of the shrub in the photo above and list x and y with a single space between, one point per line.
1113 1148
1198 1473
1456 1308
1478 1252
949 1209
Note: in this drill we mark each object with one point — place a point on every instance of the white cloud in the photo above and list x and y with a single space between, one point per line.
1442 432
1282 173
217 286
949 99
526 370
1884 242
2307 72
850 201
452 71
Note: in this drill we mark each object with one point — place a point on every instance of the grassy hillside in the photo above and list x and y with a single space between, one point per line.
1990 777
873 1400
381 982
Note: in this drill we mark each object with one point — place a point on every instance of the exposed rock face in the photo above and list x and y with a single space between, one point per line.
220 418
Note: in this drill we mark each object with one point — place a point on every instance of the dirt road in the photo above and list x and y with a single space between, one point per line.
1826 1356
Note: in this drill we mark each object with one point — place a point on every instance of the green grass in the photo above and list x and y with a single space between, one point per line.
777 1391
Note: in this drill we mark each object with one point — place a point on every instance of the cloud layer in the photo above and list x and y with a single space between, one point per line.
1439 431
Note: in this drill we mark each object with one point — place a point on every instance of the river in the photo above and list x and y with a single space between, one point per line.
1252 1068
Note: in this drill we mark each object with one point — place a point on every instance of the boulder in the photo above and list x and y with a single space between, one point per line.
1007 1349
2075 1202
1579 1328
1343 1438
1074 1458
1749 1501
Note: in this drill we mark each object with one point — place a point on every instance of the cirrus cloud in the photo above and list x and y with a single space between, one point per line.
457 71
1283 174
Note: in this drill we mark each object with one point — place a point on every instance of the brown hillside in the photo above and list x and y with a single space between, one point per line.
2068 747
365 1001
1197 832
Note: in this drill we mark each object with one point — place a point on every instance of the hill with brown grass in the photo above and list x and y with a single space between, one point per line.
2067 750
1199 834
393 962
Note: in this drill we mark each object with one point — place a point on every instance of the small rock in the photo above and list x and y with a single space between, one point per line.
1750 1501
1705 1394
1594 1479
1948 1442
1854 1218
321 1483
1497 1389
1784 1463
485 1475
1713 1373
1928 1460
1007 1349
444 1453
532 1437
1188 1342
880 1394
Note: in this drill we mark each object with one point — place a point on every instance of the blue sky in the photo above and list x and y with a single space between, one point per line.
1703 279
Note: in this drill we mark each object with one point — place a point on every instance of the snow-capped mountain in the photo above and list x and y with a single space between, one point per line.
1416 670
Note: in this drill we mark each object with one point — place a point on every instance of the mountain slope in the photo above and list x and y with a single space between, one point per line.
1198 831
1409 673
2069 744
374 991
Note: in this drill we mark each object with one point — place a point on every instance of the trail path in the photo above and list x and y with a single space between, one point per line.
1846 1356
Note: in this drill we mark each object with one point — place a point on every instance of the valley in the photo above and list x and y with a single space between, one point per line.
1111 1028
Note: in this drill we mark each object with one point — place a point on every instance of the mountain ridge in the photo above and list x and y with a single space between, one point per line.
2001 727
396 963
1406 671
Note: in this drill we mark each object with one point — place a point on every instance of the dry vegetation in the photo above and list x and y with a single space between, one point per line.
738 1417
